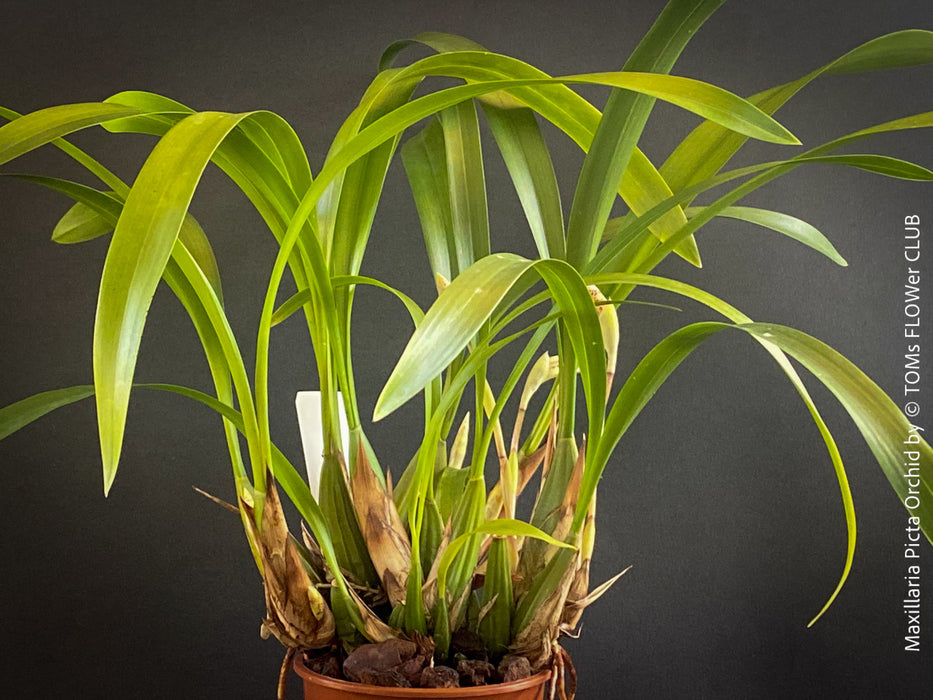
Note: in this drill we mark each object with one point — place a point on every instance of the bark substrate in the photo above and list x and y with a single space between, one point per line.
400 663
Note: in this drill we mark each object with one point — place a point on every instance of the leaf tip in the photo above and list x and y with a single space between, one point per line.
380 411
108 482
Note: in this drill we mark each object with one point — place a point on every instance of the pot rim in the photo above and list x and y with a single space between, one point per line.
379 691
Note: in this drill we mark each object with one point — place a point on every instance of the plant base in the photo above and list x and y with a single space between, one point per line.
318 687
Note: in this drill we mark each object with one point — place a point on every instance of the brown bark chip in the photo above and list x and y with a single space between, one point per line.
327 664
384 679
475 672
412 668
440 677
514 668
376 659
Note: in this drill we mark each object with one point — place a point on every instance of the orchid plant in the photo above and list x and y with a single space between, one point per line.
446 545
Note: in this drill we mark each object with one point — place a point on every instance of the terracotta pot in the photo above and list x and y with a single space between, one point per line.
318 687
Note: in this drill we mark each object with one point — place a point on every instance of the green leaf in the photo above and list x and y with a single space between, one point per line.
254 170
644 187
192 236
108 206
623 121
881 165
641 186
19 414
257 175
360 188
152 217
790 226
451 485
705 99
93 214
439 41
889 435
299 299
414 311
709 146
189 288
462 309
79 224
291 305
276 138
650 373
910 47
105 203
881 423
699 95
877 164
466 182
610 256
529 163
451 322
92 165
213 325
501 527
664 358
425 159
24 412
495 626
38 128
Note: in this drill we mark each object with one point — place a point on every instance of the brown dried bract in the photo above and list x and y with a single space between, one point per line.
296 613
382 529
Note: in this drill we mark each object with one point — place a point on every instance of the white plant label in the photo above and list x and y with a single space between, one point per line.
308 405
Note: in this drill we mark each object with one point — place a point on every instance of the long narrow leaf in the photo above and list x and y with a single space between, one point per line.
623 120
790 226
709 146
891 437
425 160
79 224
529 163
641 187
500 527
22 413
38 128
466 182
609 256
142 243
460 311
107 207
451 322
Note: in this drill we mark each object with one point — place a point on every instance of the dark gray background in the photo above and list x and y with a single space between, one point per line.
721 496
